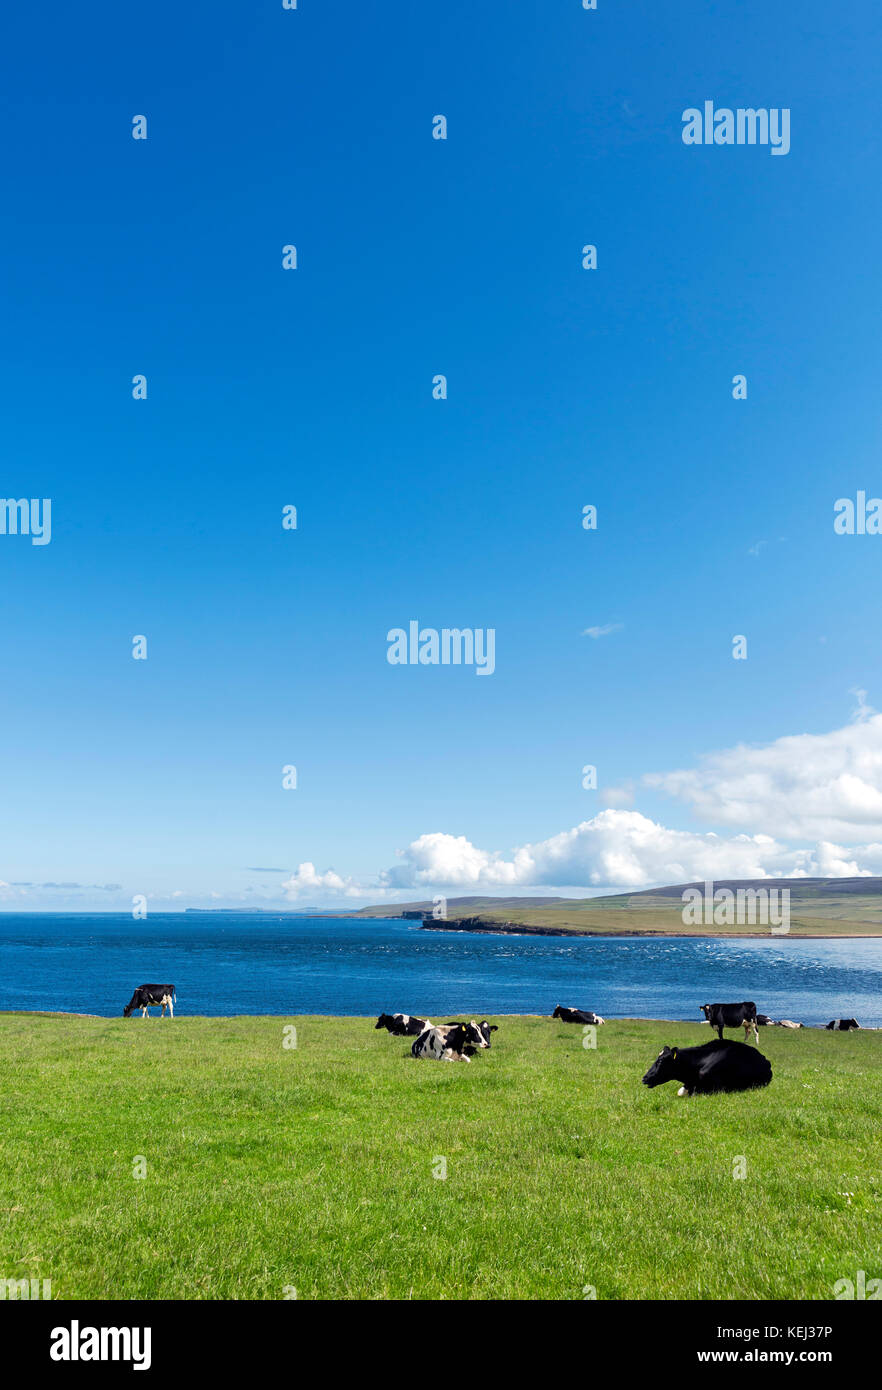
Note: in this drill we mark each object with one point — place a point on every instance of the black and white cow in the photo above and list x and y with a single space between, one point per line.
147 995
453 1042
714 1066
722 1016
403 1025
764 1021
788 1023
843 1025
576 1015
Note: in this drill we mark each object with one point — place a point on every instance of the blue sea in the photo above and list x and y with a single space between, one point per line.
262 964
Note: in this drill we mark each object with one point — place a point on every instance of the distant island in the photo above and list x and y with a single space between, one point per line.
267 911
819 907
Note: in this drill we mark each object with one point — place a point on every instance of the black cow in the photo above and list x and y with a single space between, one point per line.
146 995
403 1025
715 1066
843 1025
576 1015
722 1016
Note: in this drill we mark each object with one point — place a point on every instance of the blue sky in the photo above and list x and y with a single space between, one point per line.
314 387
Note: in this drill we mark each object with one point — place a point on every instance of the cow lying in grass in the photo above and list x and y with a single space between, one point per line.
714 1066
453 1042
403 1025
576 1015
844 1025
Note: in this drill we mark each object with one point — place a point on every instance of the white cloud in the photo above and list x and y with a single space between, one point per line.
305 880
862 710
602 631
802 787
616 848
808 805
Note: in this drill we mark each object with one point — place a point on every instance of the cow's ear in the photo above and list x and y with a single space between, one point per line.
494 1027
674 1051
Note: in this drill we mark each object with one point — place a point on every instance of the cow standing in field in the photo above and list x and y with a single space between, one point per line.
714 1066
843 1025
576 1015
147 995
403 1025
722 1016
453 1042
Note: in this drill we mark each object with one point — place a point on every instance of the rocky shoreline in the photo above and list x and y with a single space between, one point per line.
477 924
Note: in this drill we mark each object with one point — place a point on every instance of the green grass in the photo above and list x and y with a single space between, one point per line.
665 919
816 909
312 1167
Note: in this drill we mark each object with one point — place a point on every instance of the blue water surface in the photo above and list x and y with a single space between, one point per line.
261 964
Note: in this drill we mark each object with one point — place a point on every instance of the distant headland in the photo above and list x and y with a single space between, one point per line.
819 907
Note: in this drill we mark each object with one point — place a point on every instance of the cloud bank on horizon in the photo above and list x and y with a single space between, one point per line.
806 805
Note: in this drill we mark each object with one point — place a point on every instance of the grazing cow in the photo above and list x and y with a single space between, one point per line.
722 1016
576 1015
403 1025
147 995
453 1042
788 1023
843 1025
714 1066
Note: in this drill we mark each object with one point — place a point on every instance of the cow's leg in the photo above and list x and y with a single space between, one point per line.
682 1091
171 1009
720 1032
755 1033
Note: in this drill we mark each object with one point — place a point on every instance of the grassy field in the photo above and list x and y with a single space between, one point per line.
270 1169
663 919
817 908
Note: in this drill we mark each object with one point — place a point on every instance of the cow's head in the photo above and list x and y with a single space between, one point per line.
663 1069
383 1021
485 1029
704 1009
127 1011
557 1013
474 1035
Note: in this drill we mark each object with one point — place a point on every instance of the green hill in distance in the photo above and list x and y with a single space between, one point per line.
818 907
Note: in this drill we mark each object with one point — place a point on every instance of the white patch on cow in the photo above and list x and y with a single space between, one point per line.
682 1091
433 1043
